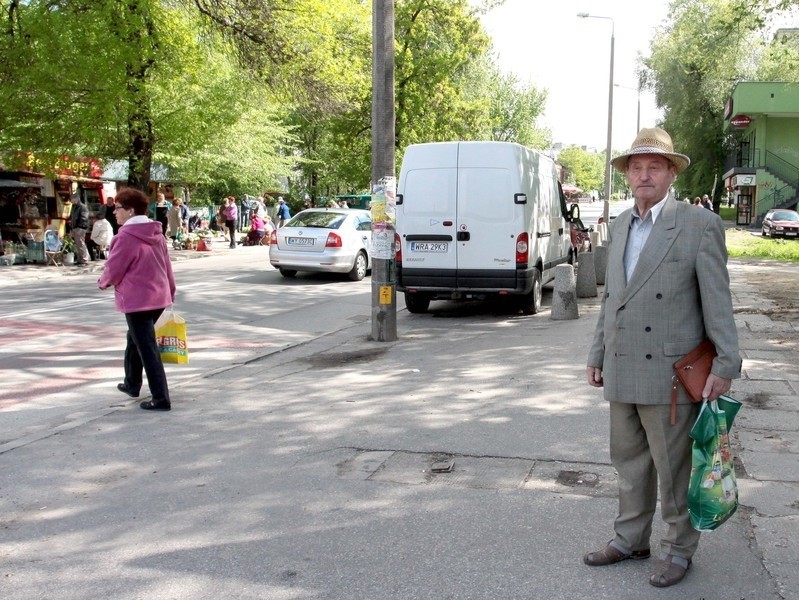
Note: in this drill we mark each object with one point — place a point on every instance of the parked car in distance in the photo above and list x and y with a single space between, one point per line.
330 240
618 207
781 222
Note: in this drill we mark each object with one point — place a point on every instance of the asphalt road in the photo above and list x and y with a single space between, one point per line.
62 341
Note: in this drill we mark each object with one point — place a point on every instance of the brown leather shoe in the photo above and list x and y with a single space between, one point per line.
610 555
669 572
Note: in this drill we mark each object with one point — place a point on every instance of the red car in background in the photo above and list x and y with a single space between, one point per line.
781 222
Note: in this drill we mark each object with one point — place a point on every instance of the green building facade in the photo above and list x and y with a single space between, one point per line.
763 170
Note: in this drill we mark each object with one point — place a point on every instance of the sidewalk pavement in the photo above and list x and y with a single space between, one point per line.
307 474
40 272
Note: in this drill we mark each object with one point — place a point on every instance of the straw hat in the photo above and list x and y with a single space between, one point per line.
652 141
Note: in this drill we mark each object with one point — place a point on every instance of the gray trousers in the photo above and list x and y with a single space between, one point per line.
81 250
645 448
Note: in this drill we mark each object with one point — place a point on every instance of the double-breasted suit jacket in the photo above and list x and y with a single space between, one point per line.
678 295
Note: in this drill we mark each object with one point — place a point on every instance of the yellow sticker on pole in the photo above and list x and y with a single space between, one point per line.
385 294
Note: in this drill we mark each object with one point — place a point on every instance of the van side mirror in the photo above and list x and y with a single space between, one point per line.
520 198
574 212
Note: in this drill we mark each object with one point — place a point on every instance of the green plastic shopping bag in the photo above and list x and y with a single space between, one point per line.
713 491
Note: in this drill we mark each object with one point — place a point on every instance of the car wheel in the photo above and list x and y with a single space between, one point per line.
358 271
417 303
530 304
763 232
288 272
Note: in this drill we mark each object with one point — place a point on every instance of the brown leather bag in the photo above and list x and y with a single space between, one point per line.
692 371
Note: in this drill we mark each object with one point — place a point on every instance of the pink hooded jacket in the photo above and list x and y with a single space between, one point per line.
139 269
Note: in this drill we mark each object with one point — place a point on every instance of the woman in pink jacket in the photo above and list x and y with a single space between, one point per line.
139 269
231 213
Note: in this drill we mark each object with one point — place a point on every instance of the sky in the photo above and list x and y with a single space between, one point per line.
544 43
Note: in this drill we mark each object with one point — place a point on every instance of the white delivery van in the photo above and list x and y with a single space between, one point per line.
478 219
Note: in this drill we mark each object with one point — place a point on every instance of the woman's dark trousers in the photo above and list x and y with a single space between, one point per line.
142 352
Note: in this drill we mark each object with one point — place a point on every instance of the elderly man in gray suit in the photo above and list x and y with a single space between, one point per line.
667 288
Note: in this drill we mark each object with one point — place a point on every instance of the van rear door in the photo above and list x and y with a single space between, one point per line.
486 213
429 210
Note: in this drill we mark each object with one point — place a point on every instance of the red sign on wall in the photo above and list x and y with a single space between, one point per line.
740 121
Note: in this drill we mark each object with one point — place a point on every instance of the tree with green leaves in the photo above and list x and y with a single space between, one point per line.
703 49
141 79
586 169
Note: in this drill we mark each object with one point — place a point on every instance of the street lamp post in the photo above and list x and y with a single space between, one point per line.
608 178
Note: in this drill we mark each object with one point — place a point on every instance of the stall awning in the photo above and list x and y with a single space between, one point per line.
11 183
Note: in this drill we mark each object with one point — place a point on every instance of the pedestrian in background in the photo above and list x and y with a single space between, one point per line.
257 229
175 220
260 207
139 269
707 203
109 214
667 288
101 236
231 212
283 212
79 225
161 212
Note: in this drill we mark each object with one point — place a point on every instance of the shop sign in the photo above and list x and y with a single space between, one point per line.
744 180
728 108
740 121
66 166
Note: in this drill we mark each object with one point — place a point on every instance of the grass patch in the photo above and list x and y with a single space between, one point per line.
742 244
728 213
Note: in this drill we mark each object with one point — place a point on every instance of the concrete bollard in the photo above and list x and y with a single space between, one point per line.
596 239
600 263
586 276
603 232
564 296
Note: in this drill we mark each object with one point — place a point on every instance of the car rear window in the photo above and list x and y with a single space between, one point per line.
321 219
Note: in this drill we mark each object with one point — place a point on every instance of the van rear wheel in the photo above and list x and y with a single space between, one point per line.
530 303
416 303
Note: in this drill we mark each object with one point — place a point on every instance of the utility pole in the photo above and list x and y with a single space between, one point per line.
384 278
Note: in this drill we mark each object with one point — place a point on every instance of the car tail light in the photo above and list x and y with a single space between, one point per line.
398 246
333 240
522 249
273 238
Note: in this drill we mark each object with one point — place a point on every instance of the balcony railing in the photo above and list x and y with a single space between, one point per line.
783 169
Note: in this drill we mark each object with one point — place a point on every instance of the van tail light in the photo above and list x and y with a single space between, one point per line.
398 246
522 249
273 238
333 240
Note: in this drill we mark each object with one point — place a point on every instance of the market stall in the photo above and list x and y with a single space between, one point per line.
32 203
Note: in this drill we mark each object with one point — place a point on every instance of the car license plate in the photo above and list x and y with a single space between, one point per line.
295 241
429 246
793 233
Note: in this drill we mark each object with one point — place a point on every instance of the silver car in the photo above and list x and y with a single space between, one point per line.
331 240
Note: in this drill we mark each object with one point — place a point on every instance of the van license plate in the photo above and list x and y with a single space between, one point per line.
429 246
295 241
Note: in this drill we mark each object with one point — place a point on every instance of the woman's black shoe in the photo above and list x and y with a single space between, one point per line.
150 405
126 390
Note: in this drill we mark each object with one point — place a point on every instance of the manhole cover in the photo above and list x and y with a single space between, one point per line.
577 478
